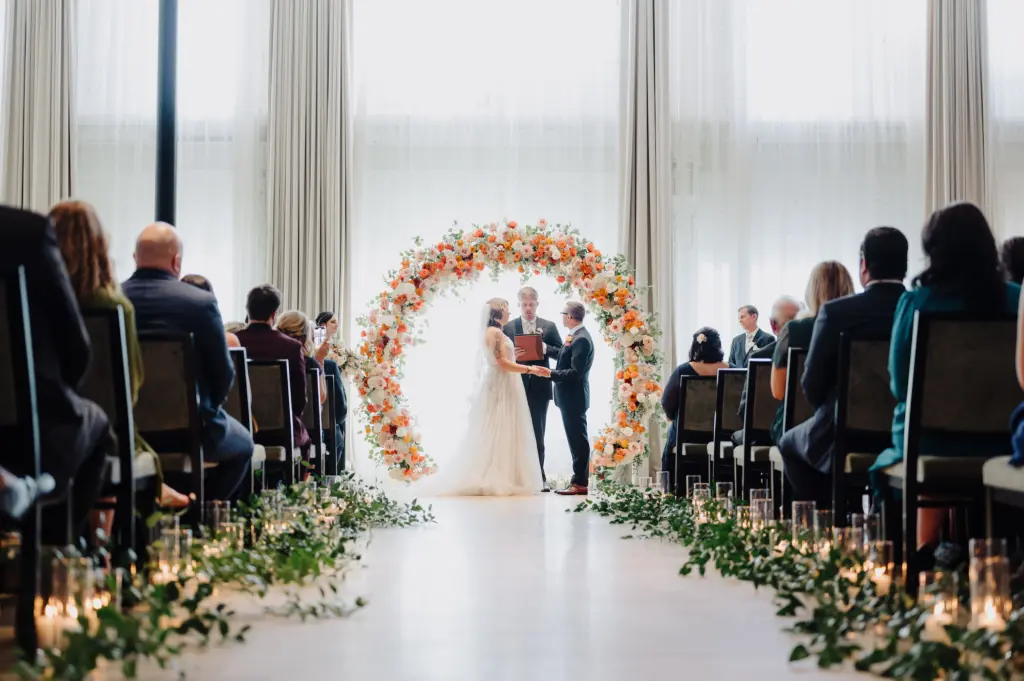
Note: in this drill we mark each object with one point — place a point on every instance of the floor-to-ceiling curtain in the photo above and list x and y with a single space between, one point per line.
646 232
487 111
957 146
223 100
4 68
36 120
797 125
308 171
1006 115
115 117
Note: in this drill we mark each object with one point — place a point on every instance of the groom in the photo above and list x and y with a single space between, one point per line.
538 390
571 377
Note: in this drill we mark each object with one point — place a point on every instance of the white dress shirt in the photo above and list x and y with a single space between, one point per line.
750 341
530 327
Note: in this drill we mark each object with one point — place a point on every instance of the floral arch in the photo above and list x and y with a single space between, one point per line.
606 285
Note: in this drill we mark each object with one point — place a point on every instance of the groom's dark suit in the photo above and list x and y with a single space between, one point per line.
571 376
538 390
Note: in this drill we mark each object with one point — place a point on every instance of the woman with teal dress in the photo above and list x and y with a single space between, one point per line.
962 274
829 280
84 247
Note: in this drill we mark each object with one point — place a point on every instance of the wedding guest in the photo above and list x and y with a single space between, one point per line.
706 358
1017 420
294 324
329 322
74 433
829 280
963 274
1011 255
784 310
83 245
163 303
750 340
265 343
199 281
807 448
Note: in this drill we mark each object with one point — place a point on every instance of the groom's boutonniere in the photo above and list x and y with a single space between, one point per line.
568 339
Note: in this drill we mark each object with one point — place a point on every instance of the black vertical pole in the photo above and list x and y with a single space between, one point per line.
166 110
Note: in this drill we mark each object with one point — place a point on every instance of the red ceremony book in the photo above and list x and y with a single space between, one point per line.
533 345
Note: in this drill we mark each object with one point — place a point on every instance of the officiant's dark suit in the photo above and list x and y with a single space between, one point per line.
571 376
538 389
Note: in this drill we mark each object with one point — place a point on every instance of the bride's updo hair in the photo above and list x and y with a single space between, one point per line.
497 307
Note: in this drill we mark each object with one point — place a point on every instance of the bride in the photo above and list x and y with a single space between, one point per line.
498 453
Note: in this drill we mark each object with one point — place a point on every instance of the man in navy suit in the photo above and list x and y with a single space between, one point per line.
538 389
164 303
571 376
751 340
807 448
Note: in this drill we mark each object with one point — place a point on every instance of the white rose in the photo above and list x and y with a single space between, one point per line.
395 474
627 431
609 450
555 253
635 331
402 431
377 427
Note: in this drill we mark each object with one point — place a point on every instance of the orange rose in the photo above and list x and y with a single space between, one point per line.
512 224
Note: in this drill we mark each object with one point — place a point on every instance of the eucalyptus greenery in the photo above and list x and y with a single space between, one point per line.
308 552
840 612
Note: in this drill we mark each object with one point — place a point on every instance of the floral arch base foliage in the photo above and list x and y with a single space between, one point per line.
459 258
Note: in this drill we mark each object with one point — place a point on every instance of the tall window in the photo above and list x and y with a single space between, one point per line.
1006 99
797 126
487 111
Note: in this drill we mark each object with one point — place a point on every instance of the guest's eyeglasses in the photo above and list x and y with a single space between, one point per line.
565 313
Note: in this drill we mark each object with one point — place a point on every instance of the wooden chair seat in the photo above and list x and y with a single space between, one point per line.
1000 474
964 470
859 462
758 454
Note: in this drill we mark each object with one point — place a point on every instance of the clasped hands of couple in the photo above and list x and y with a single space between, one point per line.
543 372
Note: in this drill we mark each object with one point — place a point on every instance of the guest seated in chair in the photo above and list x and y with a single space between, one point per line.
74 433
295 324
83 245
807 449
163 303
706 358
785 309
829 280
963 274
263 342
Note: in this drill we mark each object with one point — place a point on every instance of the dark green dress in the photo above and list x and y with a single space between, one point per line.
795 334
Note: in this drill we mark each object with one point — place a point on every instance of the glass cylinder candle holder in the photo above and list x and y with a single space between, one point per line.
174 555
691 480
823 530
987 548
990 592
757 494
803 524
233 536
762 513
869 525
743 517
878 565
644 483
938 594
663 483
702 489
67 596
215 514
780 535
701 503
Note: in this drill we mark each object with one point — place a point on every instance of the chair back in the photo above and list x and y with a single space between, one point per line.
761 404
727 400
312 418
107 382
239 402
797 408
169 396
962 380
272 409
19 416
696 417
864 399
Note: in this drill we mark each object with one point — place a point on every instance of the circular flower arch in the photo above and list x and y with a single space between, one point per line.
606 285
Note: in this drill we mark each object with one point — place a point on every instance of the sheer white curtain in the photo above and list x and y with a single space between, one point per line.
115 113
1006 95
4 67
223 86
475 112
797 126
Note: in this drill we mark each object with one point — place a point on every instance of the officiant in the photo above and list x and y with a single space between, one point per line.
537 340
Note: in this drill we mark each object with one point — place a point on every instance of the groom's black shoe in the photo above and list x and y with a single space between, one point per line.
545 488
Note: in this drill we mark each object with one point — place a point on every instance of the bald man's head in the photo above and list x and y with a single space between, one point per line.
159 247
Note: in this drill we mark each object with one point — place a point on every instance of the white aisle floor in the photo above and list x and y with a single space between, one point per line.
516 589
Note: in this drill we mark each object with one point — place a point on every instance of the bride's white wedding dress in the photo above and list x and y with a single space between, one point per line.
497 456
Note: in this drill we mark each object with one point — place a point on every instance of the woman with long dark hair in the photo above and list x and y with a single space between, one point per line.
963 275
83 244
706 358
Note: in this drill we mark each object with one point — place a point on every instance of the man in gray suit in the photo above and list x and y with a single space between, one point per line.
751 340
538 389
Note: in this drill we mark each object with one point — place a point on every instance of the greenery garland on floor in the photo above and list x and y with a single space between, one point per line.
309 550
844 615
